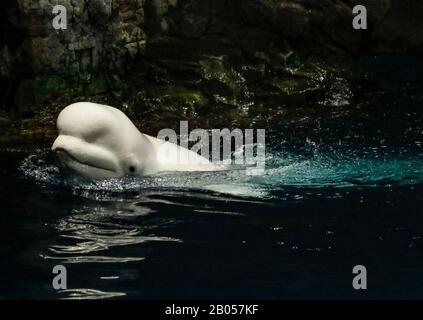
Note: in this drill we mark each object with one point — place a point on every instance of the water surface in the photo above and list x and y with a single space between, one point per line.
343 186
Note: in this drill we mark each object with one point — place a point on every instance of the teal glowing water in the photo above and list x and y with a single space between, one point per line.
320 169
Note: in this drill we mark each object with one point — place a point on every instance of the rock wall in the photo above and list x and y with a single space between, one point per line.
191 58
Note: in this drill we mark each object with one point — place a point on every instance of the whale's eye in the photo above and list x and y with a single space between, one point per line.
131 165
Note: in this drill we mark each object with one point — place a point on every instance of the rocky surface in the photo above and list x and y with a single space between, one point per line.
211 61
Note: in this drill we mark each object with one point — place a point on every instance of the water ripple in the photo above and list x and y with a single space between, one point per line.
89 294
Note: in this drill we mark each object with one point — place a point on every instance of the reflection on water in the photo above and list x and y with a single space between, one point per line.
87 231
88 294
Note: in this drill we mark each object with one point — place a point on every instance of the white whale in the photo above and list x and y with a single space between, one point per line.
97 141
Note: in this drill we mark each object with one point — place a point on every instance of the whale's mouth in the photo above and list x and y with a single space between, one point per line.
69 160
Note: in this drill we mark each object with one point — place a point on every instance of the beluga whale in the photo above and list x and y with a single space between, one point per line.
97 141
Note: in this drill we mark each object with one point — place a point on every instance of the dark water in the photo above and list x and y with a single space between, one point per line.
342 187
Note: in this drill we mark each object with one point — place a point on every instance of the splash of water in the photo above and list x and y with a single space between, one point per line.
283 169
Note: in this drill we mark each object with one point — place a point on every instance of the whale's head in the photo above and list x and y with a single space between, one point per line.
97 142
